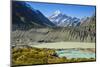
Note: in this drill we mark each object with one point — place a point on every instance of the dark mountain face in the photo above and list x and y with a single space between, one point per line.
24 17
63 20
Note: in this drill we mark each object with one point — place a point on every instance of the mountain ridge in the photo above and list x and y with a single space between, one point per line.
25 17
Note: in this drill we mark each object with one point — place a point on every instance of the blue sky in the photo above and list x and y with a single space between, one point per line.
68 9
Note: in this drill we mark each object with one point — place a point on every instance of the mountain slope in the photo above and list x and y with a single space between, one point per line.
24 17
89 22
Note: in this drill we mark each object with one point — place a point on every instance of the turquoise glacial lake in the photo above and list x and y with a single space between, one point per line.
75 54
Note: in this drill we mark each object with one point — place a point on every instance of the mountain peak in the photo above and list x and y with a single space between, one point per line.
57 12
60 19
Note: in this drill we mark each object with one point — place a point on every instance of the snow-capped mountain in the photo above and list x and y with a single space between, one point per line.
63 20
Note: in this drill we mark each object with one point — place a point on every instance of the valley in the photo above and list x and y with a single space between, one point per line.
58 38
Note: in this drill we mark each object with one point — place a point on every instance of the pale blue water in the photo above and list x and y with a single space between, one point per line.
75 54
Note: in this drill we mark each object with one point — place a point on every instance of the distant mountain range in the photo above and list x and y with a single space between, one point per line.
63 20
25 17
